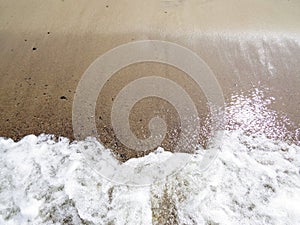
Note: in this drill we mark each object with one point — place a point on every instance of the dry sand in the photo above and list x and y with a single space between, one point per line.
45 47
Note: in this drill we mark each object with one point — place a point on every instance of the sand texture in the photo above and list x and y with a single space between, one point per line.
46 46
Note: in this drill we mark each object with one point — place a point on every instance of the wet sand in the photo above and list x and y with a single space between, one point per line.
45 47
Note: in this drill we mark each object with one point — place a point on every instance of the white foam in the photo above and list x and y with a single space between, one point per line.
254 180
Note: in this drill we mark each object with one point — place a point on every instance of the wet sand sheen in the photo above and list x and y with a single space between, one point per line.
46 49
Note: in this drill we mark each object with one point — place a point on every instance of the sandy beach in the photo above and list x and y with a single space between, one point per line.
54 57
45 47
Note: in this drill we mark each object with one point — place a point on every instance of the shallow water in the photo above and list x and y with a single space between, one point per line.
255 177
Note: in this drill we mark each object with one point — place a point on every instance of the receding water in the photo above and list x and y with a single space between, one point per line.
255 178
